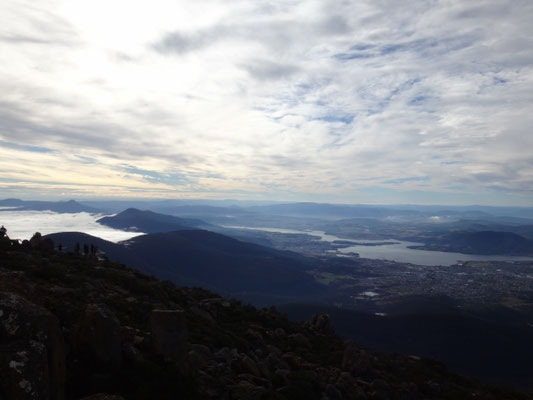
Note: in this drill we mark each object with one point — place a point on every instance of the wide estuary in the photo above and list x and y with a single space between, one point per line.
391 249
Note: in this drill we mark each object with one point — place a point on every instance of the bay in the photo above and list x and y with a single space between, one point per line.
393 250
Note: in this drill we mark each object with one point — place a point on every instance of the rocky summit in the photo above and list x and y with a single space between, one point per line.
76 326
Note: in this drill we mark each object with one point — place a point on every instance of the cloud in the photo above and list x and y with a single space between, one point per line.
423 47
23 224
269 98
268 70
33 24
180 43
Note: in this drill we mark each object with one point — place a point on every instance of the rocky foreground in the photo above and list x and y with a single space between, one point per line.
73 326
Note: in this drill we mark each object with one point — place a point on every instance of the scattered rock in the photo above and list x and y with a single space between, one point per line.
202 314
321 324
250 366
103 396
25 245
201 349
292 359
196 361
274 362
132 353
284 374
5 243
38 243
299 340
355 360
245 390
24 371
333 393
263 368
27 323
200 357
279 333
379 384
46 245
169 336
223 355
254 335
98 339
274 349
35 240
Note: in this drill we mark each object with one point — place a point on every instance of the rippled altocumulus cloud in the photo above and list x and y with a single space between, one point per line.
286 99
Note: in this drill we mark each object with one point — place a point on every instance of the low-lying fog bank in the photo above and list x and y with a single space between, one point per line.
23 224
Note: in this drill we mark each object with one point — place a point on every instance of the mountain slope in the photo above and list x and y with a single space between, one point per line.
498 352
133 219
213 261
105 323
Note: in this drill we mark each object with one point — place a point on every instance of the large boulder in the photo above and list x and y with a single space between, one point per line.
321 324
297 340
5 243
169 336
245 390
31 328
24 371
200 356
35 240
46 244
355 360
38 243
98 338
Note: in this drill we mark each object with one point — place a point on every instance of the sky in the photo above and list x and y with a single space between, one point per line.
344 101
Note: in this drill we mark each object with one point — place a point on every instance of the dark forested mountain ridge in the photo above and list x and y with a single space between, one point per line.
210 260
136 220
496 350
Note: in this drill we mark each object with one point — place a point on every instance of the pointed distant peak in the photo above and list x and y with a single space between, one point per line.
135 212
149 221
132 210
12 201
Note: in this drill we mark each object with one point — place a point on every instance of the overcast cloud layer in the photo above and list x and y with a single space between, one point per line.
346 101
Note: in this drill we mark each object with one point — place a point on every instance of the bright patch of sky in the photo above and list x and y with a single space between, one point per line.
336 101
23 224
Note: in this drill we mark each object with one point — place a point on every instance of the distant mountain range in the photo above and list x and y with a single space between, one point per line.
213 261
297 209
482 242
220 208
469 230
70 206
